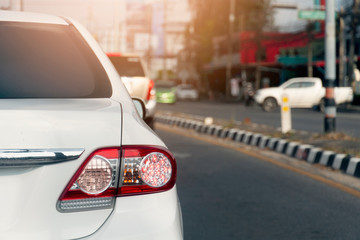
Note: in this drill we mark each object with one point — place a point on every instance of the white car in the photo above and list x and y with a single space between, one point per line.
135 77
186 92
76 159
302 92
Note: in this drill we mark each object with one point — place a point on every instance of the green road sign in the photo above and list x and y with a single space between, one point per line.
312 14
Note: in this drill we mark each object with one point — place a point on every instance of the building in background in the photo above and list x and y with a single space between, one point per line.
153 29
287 49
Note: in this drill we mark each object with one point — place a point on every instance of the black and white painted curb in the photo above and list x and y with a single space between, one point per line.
345 163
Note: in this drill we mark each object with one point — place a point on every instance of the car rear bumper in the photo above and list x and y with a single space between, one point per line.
159 216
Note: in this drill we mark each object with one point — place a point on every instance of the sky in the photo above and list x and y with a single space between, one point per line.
100 14
287 19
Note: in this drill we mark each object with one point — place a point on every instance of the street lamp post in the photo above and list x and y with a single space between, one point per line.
330 68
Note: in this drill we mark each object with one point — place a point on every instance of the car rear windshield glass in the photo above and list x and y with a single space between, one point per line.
128 66
48 61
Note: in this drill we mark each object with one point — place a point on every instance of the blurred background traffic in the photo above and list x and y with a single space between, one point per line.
219 48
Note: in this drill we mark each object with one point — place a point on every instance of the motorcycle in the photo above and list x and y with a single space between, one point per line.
249 95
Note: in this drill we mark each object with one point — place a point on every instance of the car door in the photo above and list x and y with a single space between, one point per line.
294 93
309 95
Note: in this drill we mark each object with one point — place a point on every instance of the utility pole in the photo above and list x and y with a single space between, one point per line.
230 47
310 56
354 21
258 59
164 72
341 49
310 71
310 29
330 68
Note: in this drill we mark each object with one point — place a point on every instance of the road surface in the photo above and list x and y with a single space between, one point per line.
226 194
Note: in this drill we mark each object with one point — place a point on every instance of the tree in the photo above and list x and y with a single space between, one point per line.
211 19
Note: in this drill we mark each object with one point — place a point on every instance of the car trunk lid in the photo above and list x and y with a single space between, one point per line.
64 131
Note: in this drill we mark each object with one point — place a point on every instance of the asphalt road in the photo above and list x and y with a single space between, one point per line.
228 195
347 121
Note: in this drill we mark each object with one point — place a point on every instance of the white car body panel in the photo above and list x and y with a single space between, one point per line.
90 124
264 93
304 97
26 213
163 221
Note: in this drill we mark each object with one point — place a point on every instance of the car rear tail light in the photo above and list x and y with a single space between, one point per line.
146 170
95 183
151 91
143 169
97 176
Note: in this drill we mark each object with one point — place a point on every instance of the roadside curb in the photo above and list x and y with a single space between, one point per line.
311 154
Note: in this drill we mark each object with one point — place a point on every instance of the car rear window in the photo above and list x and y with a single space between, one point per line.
48 61
128 66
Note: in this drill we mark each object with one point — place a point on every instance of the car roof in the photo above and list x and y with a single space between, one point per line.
14 16
304 79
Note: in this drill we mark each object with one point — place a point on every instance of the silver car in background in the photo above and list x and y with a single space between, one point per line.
186 92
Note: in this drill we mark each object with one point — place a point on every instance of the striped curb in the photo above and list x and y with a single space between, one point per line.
264 141
232 133
327 158
311 154
314 155
255 139
281 146
292 148
272 144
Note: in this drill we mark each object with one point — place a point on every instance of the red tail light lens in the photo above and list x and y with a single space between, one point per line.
95 183
143 169
151 91
155 169
146 170
96 177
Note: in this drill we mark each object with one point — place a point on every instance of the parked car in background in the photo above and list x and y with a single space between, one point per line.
135 77
165 92
186 92
76 159
302 92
